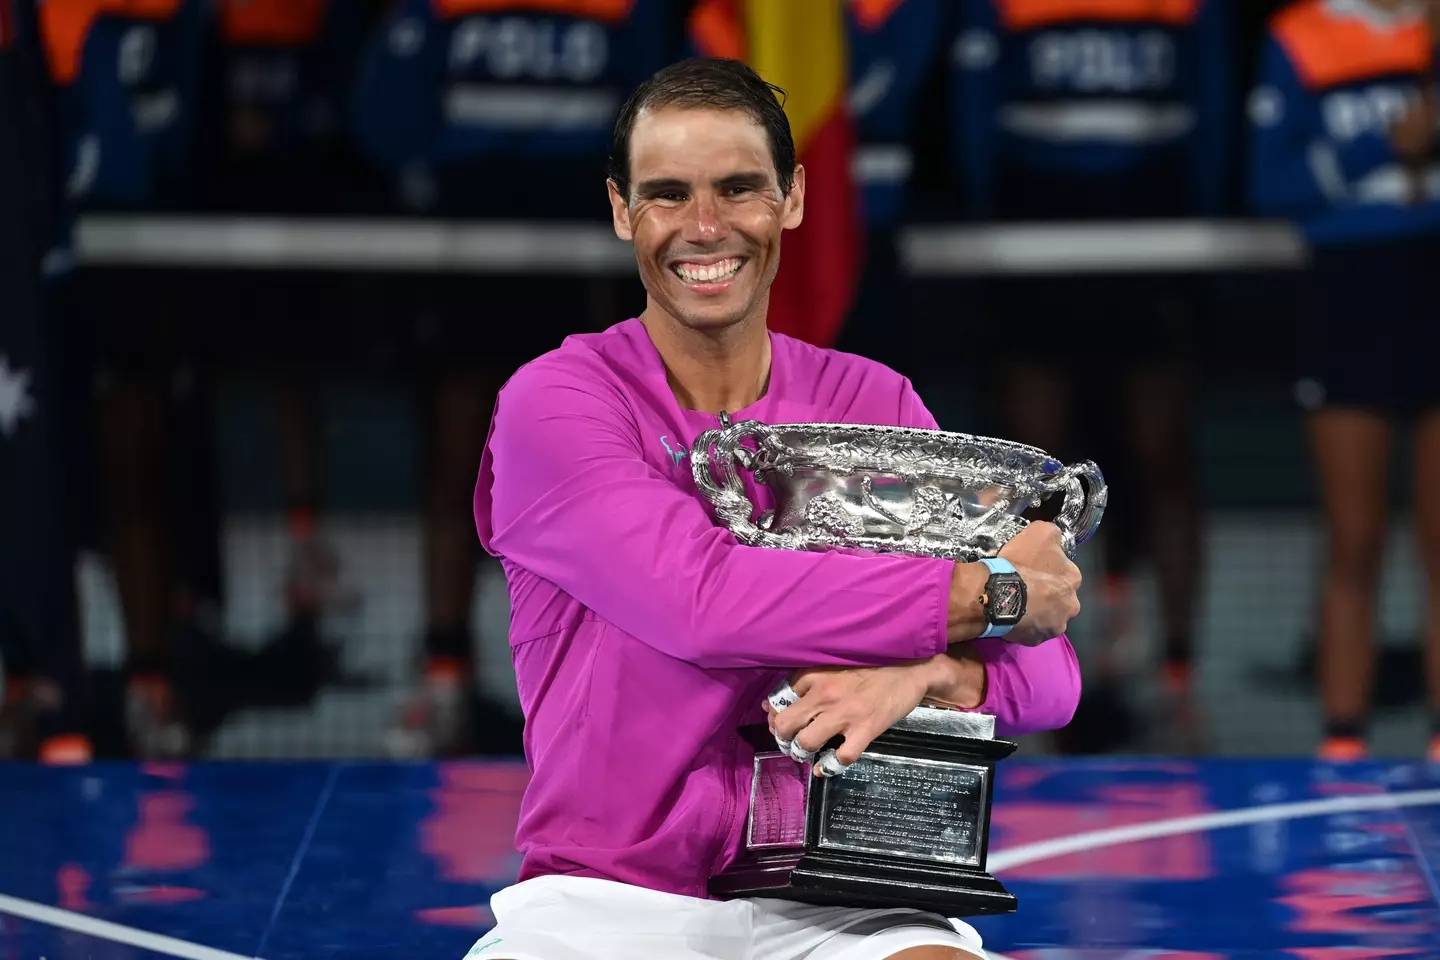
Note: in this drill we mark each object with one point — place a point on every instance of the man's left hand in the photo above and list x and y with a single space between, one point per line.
856 703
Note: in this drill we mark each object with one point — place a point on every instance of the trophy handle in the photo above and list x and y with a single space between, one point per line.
1080 514
712 461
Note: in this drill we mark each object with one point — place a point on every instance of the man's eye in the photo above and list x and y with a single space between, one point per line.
671 197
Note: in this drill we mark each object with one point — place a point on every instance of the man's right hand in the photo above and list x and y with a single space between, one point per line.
1052 584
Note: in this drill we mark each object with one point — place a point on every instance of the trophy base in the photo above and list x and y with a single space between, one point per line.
826 878
907 825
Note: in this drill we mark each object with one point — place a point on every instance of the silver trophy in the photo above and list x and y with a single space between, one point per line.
890 489
908 823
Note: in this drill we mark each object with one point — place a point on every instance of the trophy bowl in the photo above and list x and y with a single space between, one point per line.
890 489
906 825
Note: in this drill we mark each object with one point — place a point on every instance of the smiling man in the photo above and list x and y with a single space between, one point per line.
644 635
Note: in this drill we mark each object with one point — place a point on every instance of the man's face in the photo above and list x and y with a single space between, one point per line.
705 213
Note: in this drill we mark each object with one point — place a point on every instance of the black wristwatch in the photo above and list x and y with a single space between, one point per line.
1004 597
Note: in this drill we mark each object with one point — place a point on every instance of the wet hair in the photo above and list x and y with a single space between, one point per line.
707 83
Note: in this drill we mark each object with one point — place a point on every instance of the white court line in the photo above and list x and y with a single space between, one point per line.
114 932
1114 836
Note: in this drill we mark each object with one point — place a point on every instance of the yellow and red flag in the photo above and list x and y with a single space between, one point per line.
799 45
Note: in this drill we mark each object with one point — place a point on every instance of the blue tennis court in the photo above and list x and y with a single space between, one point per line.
1165 860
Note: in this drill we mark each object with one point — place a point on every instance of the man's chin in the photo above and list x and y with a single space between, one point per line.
708 314
709 319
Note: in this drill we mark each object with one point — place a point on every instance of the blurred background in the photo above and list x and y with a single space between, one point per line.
265 263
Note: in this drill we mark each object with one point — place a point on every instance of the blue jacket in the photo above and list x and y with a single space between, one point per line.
1334 76
893 45
1106 108
460 99
127 100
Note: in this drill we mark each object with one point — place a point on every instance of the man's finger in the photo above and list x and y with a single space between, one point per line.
829 765
819 732
797 753
789 722
783 696
857 740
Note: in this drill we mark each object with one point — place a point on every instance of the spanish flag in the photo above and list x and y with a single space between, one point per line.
799 45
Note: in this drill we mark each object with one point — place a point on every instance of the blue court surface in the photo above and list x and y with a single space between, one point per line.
1165 860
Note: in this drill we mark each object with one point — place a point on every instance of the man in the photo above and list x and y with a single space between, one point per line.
1345 145
643 635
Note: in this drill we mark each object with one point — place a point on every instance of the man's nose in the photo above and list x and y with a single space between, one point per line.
706 222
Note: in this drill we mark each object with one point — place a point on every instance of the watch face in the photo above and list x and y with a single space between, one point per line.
1007 599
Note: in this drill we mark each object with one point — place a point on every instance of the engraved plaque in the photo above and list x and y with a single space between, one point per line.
903 807
778 793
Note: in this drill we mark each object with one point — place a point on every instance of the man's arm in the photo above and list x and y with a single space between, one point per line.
1029 687
1026 689
565 493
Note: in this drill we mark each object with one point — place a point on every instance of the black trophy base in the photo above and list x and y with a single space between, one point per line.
830 879
907 825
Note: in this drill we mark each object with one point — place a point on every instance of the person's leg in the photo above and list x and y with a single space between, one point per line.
1060 394
1350 393
297 420
310 318
783 930
459 412
296 660
1351 450
460 406
455 365
1160 414
131 427
1427 525
582 918
302 315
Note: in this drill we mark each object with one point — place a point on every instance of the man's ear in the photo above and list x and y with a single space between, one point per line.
619 211
795 201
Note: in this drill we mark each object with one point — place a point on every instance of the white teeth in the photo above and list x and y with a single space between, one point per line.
708 273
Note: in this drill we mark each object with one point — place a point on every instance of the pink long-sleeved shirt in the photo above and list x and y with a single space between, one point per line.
644 635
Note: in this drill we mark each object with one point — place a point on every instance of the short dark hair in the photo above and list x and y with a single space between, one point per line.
708 82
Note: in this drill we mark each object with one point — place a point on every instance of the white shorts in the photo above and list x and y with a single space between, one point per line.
580 918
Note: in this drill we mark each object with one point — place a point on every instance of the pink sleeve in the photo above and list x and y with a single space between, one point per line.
1028 689
565 493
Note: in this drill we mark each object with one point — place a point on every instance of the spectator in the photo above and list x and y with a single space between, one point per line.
1344 142
125 81
1082 111
455 104
43 703
272 140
